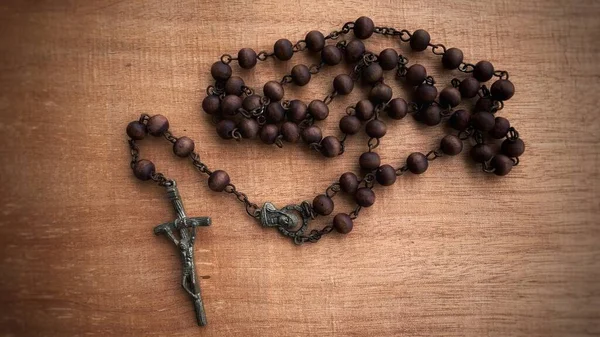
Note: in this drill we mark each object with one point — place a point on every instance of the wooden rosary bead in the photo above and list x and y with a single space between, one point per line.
183 147
419 40
248 127
350 125
300 74
218 180
323 204
224 128
483 71
376 128
211 104
157 125
385 175
365 197
432 115
481 153
364 110
252 102
369 161
372 74
342 223
460 120
297 111
290 132
275 113
502 90
363 27
343 84
388 59
484 104
273 90
380 93
513 148
397 108
417 163
283 49
331 55
231 104
354 51
269 133
331 146
483 121
426 93
500 129
220 71
318 110
234 86
315 41
247 58
312 134
450 97
143 169
349 182
137 131
469 87
451 145
501 164
452 58
416 74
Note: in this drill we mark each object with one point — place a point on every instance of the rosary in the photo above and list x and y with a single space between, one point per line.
240 113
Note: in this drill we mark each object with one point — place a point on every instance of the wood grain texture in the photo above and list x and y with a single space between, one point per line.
454 252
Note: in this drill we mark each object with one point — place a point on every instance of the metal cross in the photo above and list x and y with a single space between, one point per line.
185 243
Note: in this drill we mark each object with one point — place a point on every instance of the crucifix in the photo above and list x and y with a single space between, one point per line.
187 235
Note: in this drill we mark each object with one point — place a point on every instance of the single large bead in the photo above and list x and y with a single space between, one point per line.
484 104
220 71
251 102
157 125
224 128
365 197
481 153
234 86
369 161
349 182
386 175
269 133
397 108
483 121
380 93
350 125
502 90
364 110
432 115
450 97
417 163
419 40
230 105
247 58
388 59
363 27
137 131
323 204
483 71
513 148
331 146
354 51
500 129
275 113
451 145
343 84
315 41
460 120
373 73
297 111
501 164
143 169
469 87
416 74
183 147
425 93
290 132
331 55
300 74
211 104
318 109
312 134
248 127
452 58
376 128
283 49
342 223
218 180
273 90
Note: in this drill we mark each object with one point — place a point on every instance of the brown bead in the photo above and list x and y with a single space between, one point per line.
251 102
452 58
380 93
248 127
513 148
300 74
481 153
231 104
419 40
502 90
425 93
183 147
247 58
376 128
343 84
315 41
364 197
283 49
386 175
350 125
218 180
483 71
501 164
388 59
143 169
369 161
469 87
290 132
331 146
417 163
431 116
363 27
364 110
483 121
397 108
449 97
460 120
297 111
318 109
220 71
416 74
373 73
234 86
137 131
157 125
211 104
451 145
500 129
331 55
484 104
342 223
275 113
269 133
349 182
322 204
273 90
312 134
354 51
224 128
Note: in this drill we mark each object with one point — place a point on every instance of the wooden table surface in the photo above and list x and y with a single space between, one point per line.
453 252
